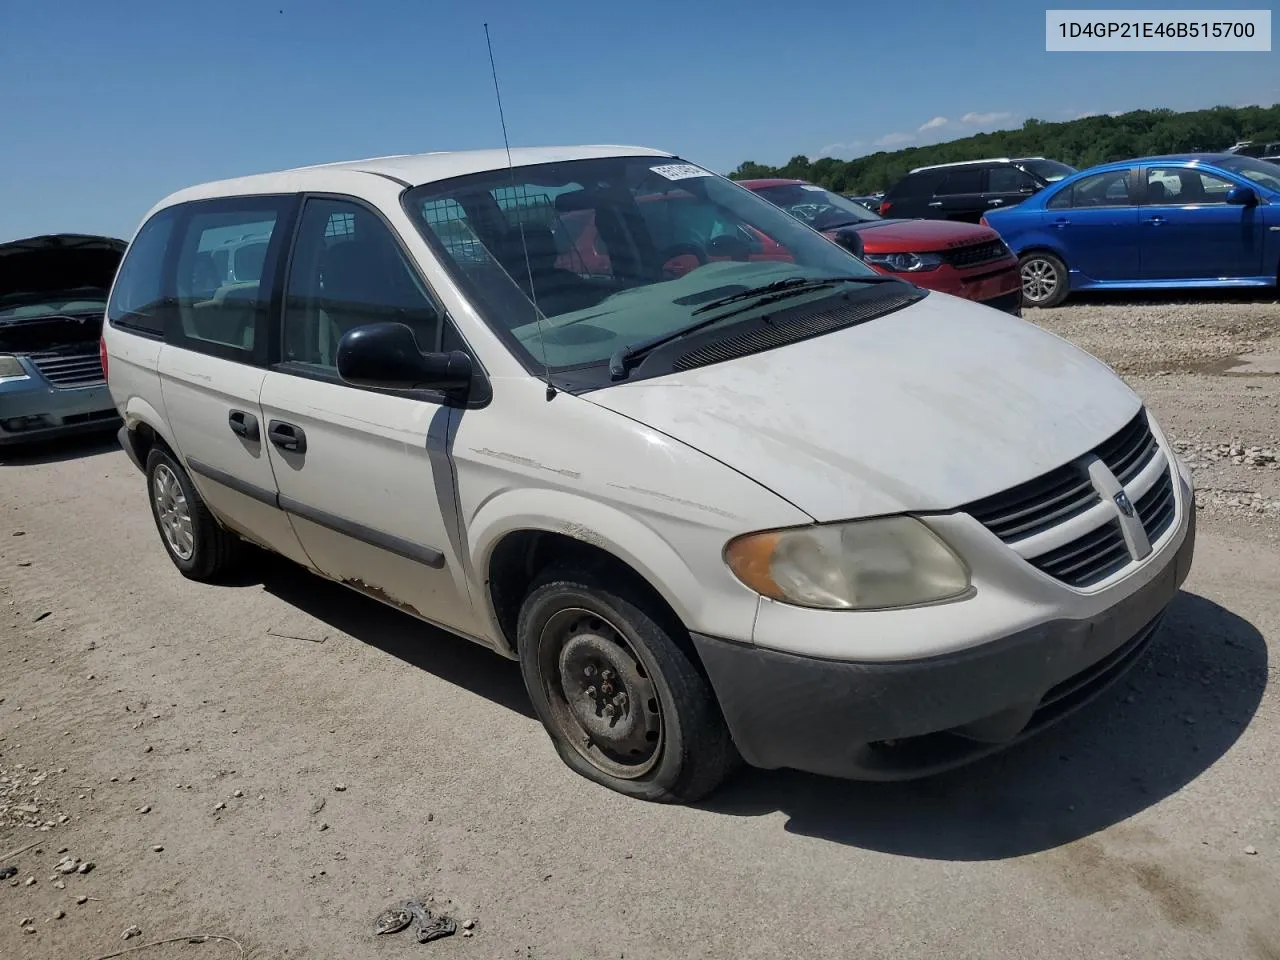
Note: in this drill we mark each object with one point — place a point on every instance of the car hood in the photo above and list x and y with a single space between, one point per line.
928 408
918 236
55 263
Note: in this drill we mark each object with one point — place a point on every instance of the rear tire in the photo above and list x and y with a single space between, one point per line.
198 546
613 681
1044 279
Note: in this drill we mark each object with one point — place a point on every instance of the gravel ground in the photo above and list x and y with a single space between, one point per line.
278 760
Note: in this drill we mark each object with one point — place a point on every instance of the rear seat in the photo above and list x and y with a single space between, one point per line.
227 317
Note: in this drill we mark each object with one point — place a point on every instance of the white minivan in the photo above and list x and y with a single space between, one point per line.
721 489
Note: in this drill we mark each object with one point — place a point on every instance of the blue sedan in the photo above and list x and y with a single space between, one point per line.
1192 220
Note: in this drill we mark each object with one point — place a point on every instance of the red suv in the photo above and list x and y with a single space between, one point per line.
963 259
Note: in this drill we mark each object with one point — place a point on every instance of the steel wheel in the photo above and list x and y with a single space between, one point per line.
1039 280
172 512
602 700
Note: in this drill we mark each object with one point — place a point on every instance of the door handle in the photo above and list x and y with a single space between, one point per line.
287 436
1062 222
995 202
936 203
244 425
1155 220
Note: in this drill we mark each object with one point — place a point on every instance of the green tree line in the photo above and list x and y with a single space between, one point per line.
1080 143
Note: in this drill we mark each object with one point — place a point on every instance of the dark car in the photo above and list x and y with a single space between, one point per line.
871 201
1257 149
53 293
966 190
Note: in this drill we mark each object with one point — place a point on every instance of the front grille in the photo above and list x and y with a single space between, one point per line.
975 254
783 330
1063 493
70 369
1157 507
1059 495
1089 559
1126 453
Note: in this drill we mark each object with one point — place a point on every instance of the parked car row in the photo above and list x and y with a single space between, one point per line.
722 489
1185 220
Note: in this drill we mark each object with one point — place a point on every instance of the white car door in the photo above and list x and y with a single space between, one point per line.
365 475
213 363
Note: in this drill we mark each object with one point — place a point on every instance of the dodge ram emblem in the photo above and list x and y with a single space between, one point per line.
1123 502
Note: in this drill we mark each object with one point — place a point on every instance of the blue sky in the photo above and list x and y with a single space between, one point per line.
108 106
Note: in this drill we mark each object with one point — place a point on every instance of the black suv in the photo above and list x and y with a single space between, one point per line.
967 190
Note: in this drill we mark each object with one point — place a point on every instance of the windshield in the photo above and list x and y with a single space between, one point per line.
615 251
1262 172
39 304
1050 171
819 208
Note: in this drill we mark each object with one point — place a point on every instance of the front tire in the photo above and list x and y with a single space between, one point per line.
1044 279
611 678
198 546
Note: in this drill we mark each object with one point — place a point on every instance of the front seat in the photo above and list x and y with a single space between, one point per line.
558 290
365 281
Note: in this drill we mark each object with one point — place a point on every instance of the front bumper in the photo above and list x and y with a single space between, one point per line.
996 284
902 719
33 410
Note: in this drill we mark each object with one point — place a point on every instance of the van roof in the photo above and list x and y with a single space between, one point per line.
405 169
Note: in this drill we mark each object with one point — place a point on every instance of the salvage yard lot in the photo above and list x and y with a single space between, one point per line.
1148 825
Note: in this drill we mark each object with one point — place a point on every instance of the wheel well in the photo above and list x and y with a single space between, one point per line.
522 555
1041 248
142 438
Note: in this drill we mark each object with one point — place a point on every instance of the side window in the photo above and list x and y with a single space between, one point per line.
1214 189
1185 185
1110 189
962 180
221 281
1061 200
348 271
139 298
1009 180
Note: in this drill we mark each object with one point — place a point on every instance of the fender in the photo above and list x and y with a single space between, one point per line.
726 609
139 411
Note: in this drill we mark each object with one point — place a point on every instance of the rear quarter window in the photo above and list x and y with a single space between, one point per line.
141 298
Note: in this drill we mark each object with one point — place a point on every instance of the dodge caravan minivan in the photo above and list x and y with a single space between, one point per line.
789 511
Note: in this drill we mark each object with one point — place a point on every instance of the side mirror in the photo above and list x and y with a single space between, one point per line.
1242 196
386 356
851 240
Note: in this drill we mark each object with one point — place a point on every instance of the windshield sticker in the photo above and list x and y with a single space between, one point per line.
680 171
810 186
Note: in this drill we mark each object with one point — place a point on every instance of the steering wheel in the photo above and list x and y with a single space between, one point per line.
727 245
675 259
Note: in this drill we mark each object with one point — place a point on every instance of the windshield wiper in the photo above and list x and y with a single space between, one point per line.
625 356
797 284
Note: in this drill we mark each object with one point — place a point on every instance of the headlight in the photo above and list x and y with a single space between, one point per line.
865 564
11 368
905 262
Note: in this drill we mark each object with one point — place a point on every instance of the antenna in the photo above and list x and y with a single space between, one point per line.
524 246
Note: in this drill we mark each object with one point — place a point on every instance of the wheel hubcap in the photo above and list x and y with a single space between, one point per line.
1039 280
172 512
601 695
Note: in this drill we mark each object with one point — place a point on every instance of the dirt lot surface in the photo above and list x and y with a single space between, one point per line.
277 760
